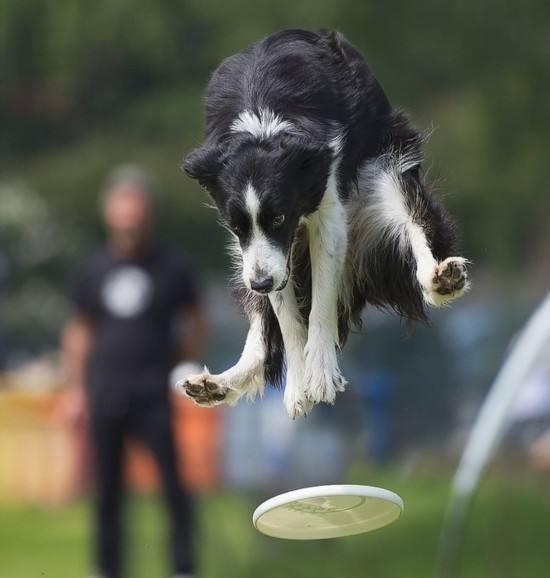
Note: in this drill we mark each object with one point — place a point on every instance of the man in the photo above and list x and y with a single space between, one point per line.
136 313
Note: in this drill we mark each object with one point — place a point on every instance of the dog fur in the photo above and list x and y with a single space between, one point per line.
319 181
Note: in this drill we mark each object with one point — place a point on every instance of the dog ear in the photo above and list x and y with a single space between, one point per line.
203 164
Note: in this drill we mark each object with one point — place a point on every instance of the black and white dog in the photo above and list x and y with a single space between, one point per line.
319 181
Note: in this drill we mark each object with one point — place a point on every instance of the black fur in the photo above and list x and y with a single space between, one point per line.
321 84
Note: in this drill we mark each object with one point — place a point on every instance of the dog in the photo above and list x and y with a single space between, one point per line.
319 181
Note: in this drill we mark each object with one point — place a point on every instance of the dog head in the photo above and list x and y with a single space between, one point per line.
262 189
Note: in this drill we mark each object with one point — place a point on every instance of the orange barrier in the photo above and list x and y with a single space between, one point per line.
198 432
41 458
36 457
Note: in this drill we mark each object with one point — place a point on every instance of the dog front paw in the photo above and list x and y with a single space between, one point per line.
208 390
295 400
322 376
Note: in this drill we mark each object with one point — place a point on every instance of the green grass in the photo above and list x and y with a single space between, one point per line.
507 538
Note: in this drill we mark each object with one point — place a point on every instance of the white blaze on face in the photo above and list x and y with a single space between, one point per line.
261 258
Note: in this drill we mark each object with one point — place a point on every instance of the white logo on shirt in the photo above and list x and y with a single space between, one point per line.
126 291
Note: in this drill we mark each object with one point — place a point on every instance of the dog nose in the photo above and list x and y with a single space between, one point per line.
263 285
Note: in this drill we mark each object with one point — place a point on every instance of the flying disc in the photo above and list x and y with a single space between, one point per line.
327 512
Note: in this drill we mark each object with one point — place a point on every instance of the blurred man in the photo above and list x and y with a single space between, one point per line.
137 313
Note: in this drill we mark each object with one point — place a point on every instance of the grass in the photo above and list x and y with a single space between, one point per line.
507 538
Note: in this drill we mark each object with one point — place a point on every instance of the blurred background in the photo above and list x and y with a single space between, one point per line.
85 86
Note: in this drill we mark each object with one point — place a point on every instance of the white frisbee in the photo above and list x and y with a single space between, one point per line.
327 512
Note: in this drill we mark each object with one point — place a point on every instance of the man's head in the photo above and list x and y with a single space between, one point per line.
127 207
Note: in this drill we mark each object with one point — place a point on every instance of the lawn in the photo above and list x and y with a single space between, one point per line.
507 537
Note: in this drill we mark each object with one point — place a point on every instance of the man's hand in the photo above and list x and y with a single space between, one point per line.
73 406
76 342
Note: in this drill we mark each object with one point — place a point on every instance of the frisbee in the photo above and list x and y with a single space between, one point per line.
327 512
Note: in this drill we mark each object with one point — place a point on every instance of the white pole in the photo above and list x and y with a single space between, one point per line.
489 428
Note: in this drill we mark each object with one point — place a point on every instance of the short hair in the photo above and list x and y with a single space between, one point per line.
129 174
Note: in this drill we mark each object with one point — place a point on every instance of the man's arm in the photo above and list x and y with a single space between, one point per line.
193 336
76 344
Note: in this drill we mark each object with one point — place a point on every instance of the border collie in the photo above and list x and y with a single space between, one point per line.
319 181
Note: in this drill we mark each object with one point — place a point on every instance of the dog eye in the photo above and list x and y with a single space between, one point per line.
237 230
278 221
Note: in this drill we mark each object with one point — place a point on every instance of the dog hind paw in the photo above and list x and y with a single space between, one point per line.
449 281
451 276
206 390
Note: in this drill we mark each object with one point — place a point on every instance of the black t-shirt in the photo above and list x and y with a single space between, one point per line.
133 304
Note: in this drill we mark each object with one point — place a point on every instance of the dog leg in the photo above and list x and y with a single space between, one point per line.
440 281
246 377
400 215
294 335
327 244
443 281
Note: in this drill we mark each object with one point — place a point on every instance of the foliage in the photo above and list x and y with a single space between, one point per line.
86 85
477 70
